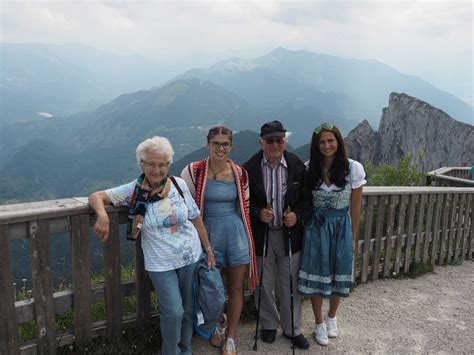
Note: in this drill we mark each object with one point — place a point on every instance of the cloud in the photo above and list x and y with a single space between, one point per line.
424 37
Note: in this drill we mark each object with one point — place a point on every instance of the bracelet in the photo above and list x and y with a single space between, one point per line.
209 249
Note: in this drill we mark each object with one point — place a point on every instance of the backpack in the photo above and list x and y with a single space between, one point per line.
209 298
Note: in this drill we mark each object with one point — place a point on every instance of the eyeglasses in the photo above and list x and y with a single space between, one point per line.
153 166
271 141
325 126
224 145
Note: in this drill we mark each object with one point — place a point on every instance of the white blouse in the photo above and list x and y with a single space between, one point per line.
356 176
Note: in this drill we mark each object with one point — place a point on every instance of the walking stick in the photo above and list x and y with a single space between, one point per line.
292 307
265 244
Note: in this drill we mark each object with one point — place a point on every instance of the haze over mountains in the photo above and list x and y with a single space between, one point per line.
76 154
348 88
66 79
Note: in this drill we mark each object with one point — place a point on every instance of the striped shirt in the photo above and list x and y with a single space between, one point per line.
275 182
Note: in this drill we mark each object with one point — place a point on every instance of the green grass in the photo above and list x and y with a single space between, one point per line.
418 269
132 341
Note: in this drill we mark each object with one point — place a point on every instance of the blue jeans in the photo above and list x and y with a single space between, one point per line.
175 297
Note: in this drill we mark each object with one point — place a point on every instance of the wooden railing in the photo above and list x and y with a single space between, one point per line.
451 176
399 226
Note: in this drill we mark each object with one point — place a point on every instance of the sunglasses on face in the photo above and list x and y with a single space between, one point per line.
325 126
224 145
271 141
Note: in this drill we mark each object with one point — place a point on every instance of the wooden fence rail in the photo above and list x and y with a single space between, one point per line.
460 177
399 226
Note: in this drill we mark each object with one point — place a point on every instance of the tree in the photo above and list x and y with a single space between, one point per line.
402 174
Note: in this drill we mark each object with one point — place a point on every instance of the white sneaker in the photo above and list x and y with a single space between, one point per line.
321 334
229 347
331 324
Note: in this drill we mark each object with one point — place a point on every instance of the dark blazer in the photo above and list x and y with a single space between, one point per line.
299 202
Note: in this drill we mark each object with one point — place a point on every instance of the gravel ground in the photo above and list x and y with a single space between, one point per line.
433 313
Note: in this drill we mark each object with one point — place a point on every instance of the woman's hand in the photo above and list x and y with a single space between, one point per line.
211 259
202 232
102 227
97 201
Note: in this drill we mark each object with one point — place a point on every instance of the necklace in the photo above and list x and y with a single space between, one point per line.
214 173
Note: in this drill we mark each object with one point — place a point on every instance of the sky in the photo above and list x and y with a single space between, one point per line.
429 39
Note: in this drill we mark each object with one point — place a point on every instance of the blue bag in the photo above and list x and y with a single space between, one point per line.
209 298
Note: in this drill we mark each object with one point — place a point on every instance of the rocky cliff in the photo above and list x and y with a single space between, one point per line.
363 143
411 126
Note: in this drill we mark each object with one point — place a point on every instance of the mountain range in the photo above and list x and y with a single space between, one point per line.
348 88
411 126
75 154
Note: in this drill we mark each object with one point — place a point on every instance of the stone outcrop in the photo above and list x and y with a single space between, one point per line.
411 126
363 143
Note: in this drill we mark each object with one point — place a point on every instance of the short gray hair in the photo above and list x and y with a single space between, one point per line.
158 145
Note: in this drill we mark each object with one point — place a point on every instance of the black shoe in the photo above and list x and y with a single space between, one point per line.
298 341
268 335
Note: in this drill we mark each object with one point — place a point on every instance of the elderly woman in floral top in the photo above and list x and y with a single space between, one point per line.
173 235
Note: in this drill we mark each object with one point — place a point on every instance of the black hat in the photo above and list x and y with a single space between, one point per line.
272 129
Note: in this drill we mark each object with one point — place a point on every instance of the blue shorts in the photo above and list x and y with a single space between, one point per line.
229 239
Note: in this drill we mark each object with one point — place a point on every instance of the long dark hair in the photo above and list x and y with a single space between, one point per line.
340 166
214 131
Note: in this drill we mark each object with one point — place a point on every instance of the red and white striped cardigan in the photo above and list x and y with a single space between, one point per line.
195 176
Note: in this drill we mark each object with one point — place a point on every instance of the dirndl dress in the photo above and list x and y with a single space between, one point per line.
326 266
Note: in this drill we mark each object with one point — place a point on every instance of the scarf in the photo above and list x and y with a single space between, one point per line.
143 194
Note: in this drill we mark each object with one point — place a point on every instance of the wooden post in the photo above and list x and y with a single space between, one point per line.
367 237
459 229
357 245
113 289
388 241
419 228
42 286
444 234
8 333
143 291
428 228
452 229
470 240
81 267
411 220
436 232
467 227
378 235
400 227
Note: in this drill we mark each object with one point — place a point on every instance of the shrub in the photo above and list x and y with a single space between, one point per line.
402 174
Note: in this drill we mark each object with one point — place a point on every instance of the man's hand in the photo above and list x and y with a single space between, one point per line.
266 215
289 219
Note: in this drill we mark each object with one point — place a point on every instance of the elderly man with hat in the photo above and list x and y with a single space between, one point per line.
278 208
